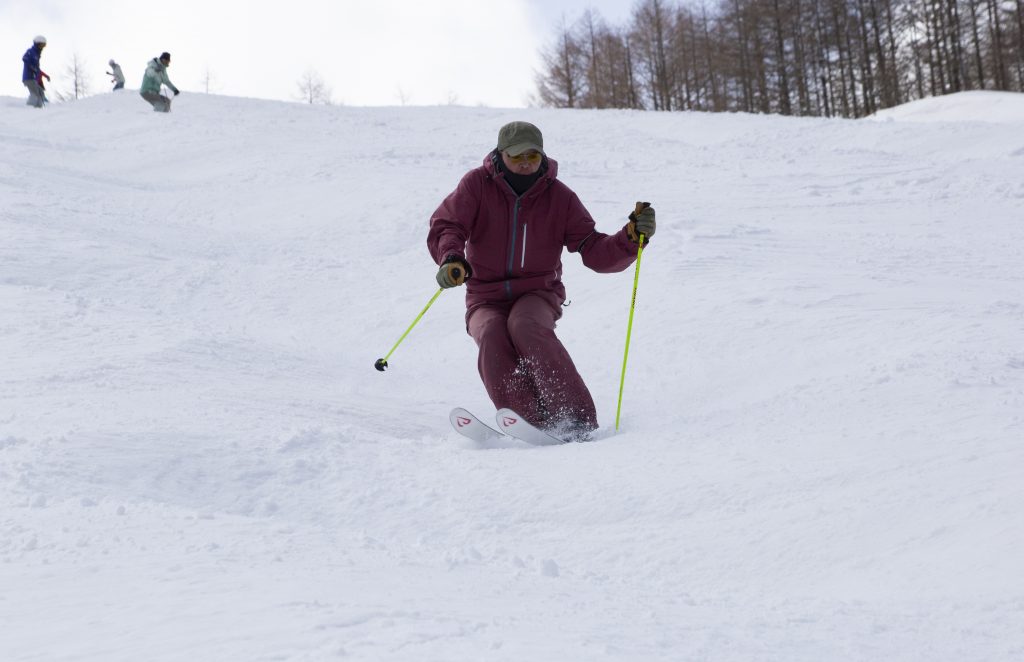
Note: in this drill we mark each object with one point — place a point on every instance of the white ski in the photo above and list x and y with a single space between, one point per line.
468 425
516 426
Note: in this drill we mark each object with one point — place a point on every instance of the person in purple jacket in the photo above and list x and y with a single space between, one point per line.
31 75
501 233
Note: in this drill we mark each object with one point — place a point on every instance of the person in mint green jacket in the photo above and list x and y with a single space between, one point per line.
154 79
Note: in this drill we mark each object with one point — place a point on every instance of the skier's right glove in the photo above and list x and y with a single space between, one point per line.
453 272
177 91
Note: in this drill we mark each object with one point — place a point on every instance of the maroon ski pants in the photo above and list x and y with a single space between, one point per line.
525 367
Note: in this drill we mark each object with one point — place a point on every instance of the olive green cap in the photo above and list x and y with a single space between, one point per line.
518 137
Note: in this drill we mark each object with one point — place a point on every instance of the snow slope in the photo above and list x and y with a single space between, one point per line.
976 106
820 451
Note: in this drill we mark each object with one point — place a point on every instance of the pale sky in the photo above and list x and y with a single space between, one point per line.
369 52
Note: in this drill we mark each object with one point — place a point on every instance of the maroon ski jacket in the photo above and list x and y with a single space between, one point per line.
513 244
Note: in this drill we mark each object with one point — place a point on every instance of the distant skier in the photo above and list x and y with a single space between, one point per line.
501 232
155 77
32 76
116 75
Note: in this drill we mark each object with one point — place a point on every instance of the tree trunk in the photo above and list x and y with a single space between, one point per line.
996 31
883 74
979 60
745 73
799 62
956 50
846 73
780 65
866 72
897 93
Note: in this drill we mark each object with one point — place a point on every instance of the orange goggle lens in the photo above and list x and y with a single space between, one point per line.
531 157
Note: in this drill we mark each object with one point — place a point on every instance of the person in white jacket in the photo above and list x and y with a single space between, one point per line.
116 75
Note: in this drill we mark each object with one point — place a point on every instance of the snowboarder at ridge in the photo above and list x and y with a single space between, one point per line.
154 78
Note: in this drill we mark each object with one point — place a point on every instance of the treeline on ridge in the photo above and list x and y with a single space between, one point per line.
846 58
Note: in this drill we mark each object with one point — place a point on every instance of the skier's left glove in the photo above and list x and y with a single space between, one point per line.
453 272
641 222
177 91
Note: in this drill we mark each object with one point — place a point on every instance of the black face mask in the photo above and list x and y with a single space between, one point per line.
520 183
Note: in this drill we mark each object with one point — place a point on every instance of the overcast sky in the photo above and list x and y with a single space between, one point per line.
369 52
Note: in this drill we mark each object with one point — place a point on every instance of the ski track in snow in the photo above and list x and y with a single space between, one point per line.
820 450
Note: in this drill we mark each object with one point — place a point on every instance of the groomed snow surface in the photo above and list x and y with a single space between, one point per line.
822 440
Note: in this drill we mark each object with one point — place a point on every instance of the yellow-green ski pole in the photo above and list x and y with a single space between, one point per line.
629 329
383 363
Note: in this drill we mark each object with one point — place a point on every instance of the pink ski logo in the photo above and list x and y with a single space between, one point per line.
509 420
463 421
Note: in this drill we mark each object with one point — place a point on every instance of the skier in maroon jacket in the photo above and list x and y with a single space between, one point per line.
501 232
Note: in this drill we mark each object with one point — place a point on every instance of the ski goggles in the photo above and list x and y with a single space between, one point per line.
525 157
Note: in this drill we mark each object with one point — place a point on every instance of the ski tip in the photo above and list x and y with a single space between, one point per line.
468 425
507 417
515 425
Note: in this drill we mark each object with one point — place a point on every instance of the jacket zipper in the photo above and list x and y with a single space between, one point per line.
512 244
522 264
512 248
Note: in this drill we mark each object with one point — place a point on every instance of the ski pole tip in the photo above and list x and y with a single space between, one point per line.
380 364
